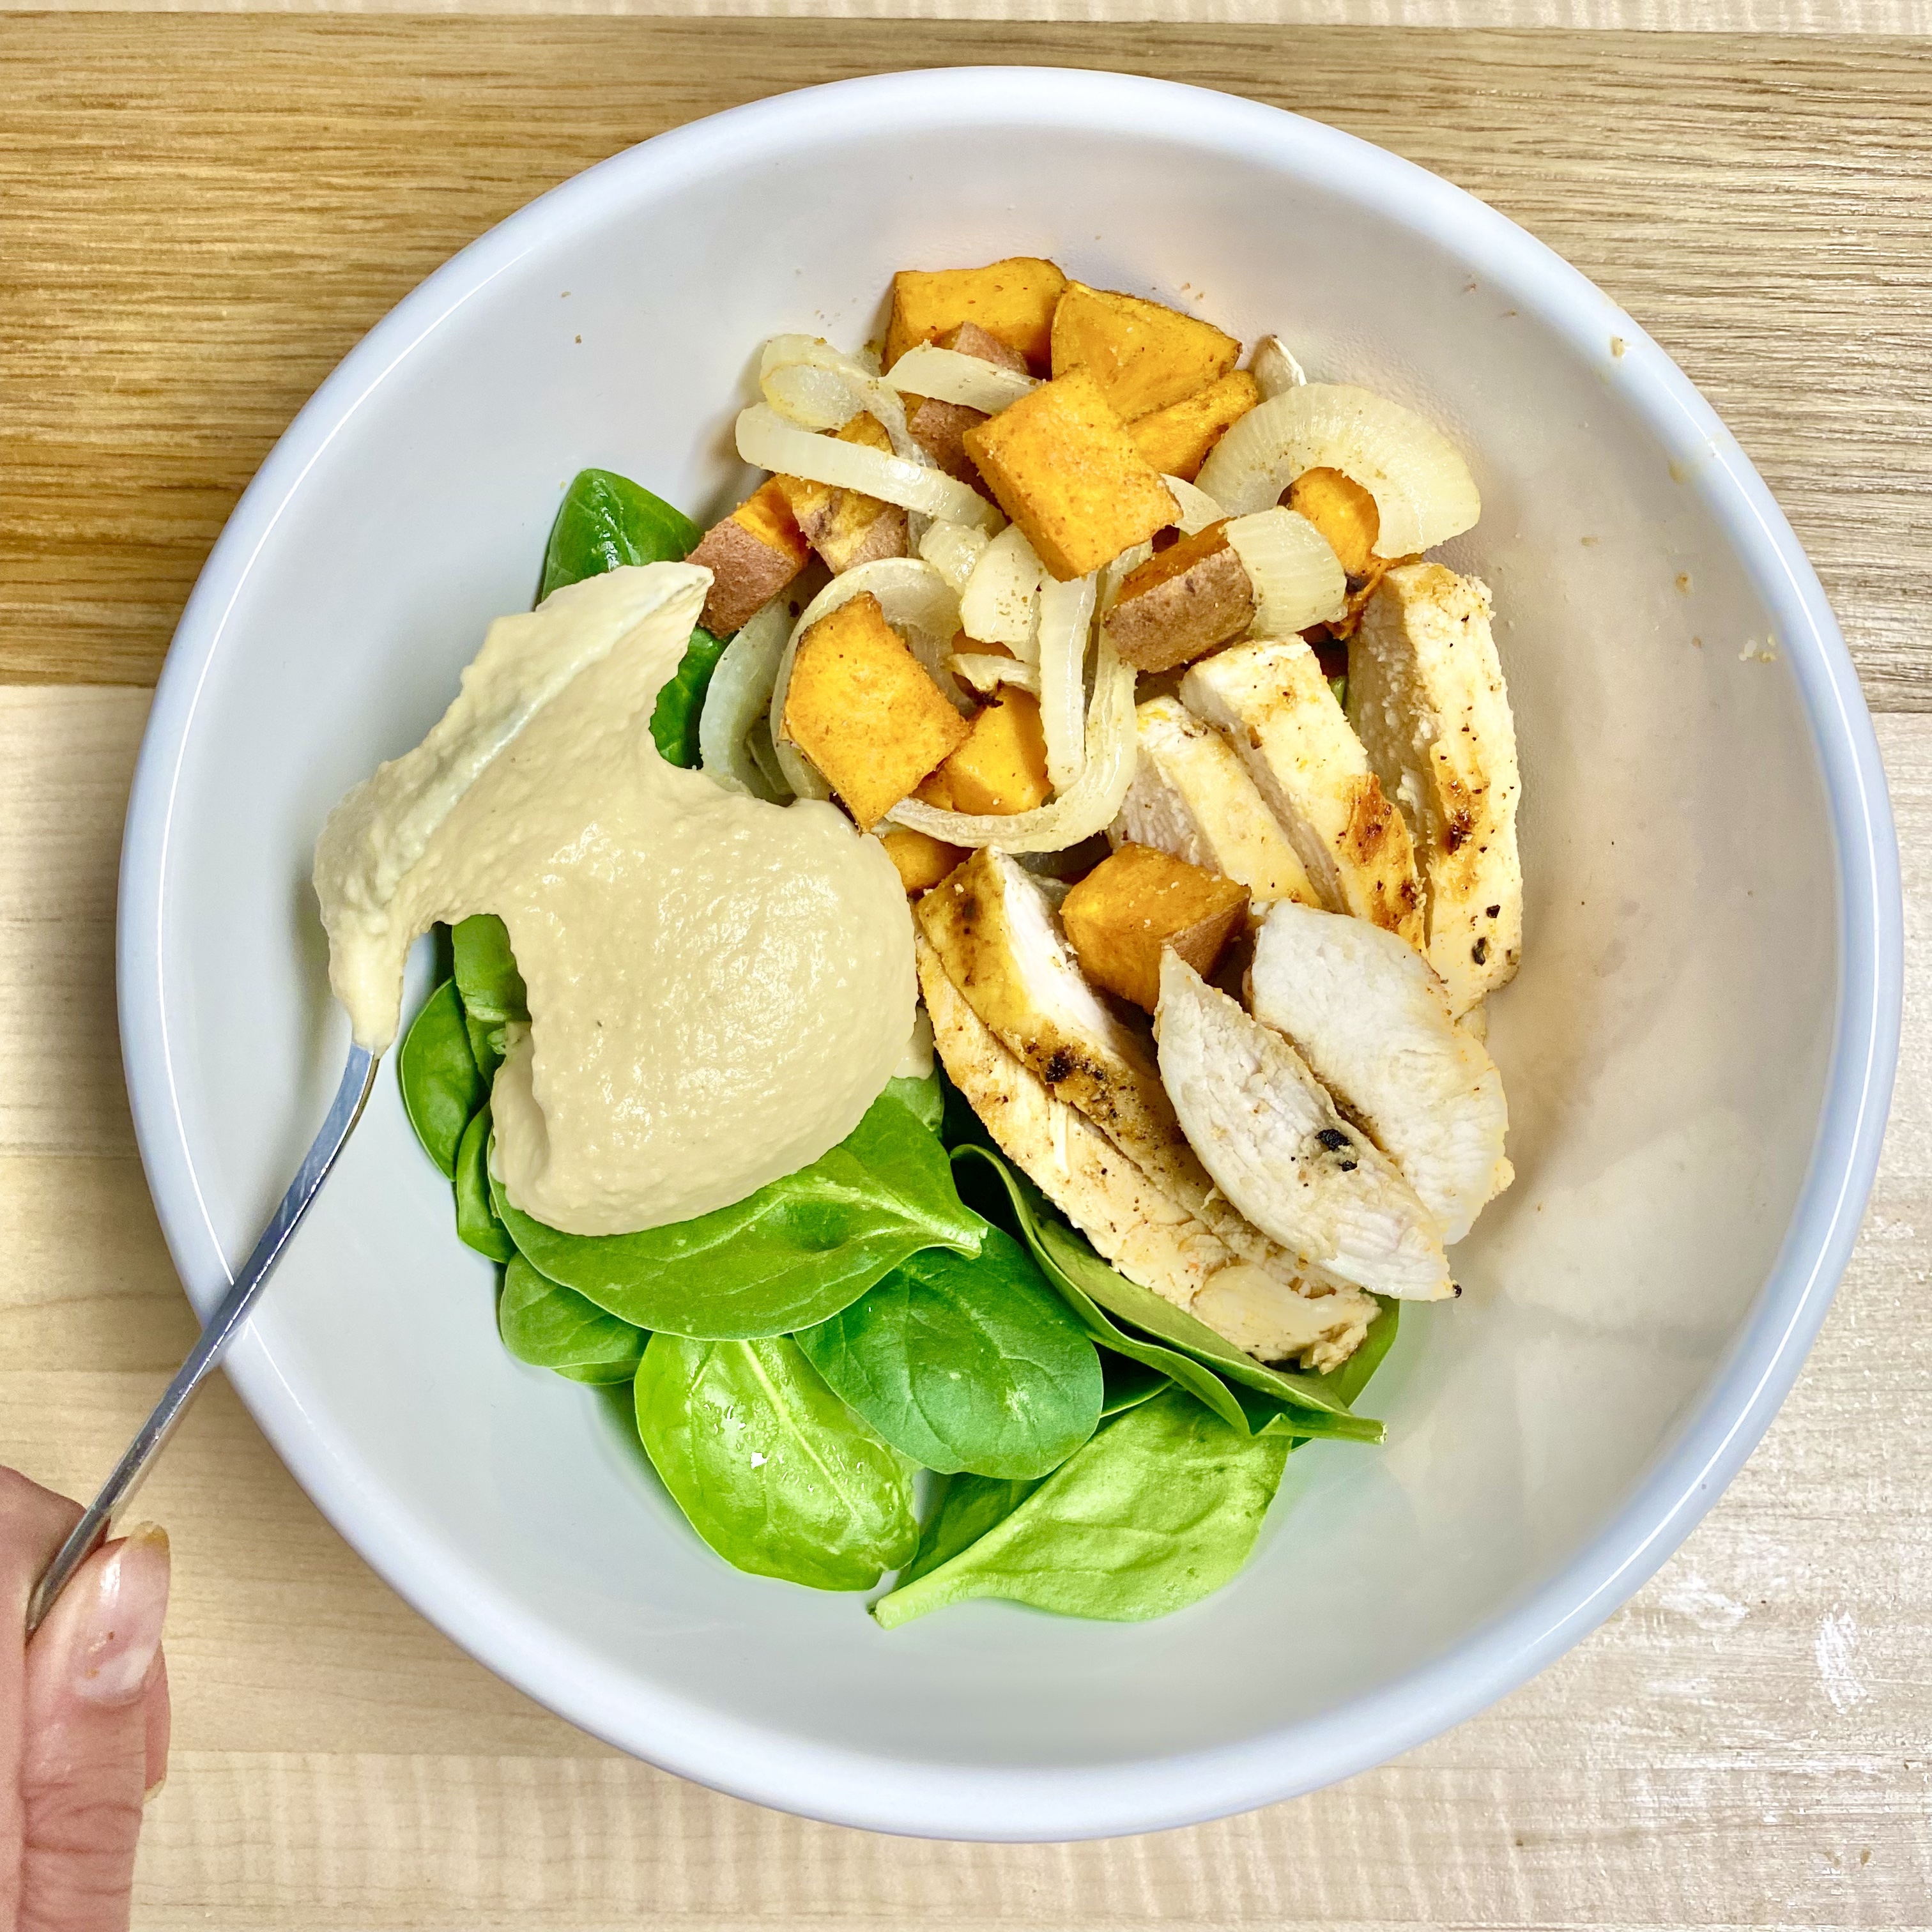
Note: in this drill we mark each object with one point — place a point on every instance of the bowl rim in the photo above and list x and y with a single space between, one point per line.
863 1790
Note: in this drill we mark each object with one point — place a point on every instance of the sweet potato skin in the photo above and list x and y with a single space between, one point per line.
1062 465
1001 768
1176 440
846 527
1013 301
862 709
752 554
1120 917
1145 356
1182 602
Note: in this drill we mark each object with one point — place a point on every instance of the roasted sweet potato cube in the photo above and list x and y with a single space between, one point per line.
1144 355
1121 915
1176 440
1343 511
1182 602
1062 465
1002 767
846 527
920 861
1013 301
752 555
862 709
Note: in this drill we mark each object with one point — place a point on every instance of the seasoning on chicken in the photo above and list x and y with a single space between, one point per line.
1373 1023
1266 1130
1426 694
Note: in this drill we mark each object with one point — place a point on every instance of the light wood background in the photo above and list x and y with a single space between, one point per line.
199 213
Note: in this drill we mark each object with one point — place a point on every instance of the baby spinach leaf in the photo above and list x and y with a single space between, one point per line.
965 1362
605 522
487 979
1128 1383
476 1221
553 1327
442 1087
793 1254
924 1097
1160 1510
964 1507
775 1473
681 703
1184 1349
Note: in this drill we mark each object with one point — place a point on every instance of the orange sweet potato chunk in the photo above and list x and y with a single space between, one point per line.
862 709
1062 465
1145 356
1013 301
752 555
1130 907
1001 768
1176 440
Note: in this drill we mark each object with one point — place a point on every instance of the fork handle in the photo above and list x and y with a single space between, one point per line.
358 1079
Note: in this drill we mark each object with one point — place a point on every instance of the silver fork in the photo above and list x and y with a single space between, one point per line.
358 1079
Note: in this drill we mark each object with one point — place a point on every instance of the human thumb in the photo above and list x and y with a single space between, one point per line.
92 1668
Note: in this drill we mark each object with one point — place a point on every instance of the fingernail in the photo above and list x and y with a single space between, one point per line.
155 1790
120 1631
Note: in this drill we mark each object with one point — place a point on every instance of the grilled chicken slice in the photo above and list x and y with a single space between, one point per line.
1267 1132
1271 1309
1426 694
994 926
1191 798
1273 705
1373 1021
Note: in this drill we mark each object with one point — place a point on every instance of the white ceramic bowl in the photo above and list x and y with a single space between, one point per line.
1699 1051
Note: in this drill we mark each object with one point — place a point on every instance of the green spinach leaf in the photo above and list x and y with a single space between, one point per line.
793 1254
965 1362
1161 1509
1186 1350
963 1508
605 522
476 1223
491 988
681 703
553 1327
924 1098
774 1472
1128 1383
442 1087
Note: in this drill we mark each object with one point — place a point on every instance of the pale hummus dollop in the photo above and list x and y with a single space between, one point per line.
718 987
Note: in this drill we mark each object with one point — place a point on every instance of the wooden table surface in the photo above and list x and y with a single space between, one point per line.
199 213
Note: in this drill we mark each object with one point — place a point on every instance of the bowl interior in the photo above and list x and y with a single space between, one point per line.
1666 1047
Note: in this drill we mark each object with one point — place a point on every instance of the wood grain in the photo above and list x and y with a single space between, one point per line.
1746 1745
199 217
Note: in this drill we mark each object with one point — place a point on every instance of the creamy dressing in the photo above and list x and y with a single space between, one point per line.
718 987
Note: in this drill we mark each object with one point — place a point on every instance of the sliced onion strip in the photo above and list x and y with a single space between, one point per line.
819 388
1088 805
1066 620
768 442
985 671
953 550
947 376
1001 603
1274 368
1297 579
1198 509
738 701
1423 489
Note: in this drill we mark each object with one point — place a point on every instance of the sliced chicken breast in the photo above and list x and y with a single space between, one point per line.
1426 694
1271 702
1373 1021
1266 1130
1270 1309
1191 798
